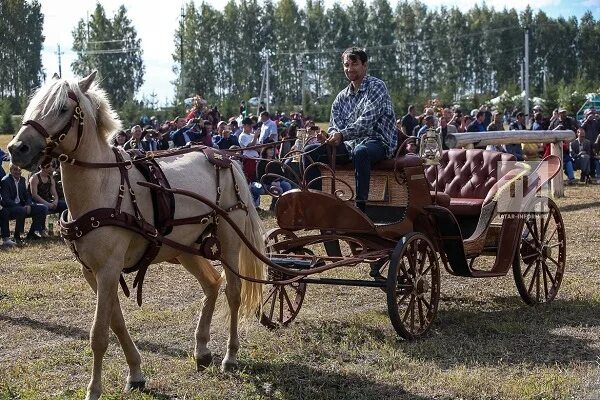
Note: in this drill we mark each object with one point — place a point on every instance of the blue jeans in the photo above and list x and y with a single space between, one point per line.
257 190
569 169
364 156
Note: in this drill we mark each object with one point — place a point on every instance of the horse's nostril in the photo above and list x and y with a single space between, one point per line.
24 148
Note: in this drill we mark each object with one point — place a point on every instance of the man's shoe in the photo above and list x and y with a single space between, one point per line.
34 235
6 242
18 240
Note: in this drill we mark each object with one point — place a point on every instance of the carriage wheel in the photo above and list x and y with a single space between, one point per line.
281 303
413 286
539 264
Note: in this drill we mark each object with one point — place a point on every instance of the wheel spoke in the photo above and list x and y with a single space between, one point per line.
273 305
427 304
554 261
545 228
289 302
412 317
537 281
422 262
547 269
555 245
407 312
527 270
421 315
545 282
532 280
404 297
533 231
411 261
552 234
271 292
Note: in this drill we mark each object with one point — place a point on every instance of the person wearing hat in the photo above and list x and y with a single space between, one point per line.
224 139
362 126
429 124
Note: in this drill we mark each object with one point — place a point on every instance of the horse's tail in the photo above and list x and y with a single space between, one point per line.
249 264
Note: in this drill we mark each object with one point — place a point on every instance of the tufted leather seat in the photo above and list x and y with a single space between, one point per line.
469 177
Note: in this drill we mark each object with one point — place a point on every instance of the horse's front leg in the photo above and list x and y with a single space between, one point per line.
135 379
107 282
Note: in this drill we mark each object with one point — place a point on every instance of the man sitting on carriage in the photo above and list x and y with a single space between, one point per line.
362 126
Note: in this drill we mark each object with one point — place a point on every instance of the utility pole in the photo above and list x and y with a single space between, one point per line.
181 52
59 53
268 71
526 76
303 72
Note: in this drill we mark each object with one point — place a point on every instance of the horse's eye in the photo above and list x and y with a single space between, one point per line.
64 110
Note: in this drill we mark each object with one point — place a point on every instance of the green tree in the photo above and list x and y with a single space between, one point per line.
110 46
21 42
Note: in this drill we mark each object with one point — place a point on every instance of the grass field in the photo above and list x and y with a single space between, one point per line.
485 344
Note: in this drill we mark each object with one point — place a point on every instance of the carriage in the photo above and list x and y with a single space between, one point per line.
474 204
128 211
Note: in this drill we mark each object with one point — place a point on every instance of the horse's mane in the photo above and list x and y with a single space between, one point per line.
52 97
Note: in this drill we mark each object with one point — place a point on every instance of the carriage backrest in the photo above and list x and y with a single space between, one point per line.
469 173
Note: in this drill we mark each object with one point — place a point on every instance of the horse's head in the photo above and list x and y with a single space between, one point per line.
55 118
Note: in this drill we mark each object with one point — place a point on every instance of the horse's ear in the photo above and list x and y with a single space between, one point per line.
55 76
86 82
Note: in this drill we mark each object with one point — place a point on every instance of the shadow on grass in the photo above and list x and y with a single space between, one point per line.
80 334
561 332
299 381
577 207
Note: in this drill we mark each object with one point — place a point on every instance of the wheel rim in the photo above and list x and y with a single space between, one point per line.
542 253
413 287
281 303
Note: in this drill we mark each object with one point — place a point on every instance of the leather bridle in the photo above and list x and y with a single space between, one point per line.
59 136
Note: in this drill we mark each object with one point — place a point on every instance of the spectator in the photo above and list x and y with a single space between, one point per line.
516 149
43 192
429 124
248 138
120 139
581 150
243 110
496 124
4 228
181 135
268 129
591 124
532 151
477 124
458 121
261 107
444 129
234 127
487 115
408 122
3 157
275 185
135 142
560 121
224 139
17 201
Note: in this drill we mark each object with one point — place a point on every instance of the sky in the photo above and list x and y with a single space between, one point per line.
156 22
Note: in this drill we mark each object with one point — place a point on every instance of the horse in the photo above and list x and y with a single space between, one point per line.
74 121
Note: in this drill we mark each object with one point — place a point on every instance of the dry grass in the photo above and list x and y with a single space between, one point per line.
486 343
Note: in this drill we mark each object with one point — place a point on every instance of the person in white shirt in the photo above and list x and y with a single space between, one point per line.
268 130
247 139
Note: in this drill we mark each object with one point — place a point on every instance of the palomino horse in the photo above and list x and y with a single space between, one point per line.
107 250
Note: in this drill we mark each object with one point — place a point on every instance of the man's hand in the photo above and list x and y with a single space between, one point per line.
334 139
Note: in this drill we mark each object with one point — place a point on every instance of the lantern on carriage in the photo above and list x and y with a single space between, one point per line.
431 147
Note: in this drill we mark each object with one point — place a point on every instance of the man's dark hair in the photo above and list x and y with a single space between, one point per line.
520 114
538 117
247 121
264 114
355 54
411 107
479 114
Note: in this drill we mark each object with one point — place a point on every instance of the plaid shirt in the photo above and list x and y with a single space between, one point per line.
365 114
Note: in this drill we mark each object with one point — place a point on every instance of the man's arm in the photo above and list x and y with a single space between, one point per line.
7 199
33 182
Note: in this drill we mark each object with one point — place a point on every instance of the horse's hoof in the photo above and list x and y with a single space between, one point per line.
228 366
131 386
204 362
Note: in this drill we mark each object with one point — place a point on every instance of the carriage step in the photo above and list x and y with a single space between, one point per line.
295 263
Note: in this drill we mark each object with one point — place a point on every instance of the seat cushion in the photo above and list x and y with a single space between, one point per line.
465 206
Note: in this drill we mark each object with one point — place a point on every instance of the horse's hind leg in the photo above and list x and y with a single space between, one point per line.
135 379
233 293
210 280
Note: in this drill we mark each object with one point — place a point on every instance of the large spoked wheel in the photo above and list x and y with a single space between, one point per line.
413 286
539 264
281 303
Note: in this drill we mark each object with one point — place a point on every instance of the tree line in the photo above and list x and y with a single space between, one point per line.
421 53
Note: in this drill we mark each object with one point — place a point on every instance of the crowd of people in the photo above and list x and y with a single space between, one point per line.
362 128
581 154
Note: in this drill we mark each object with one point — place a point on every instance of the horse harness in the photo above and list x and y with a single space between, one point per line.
163 201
